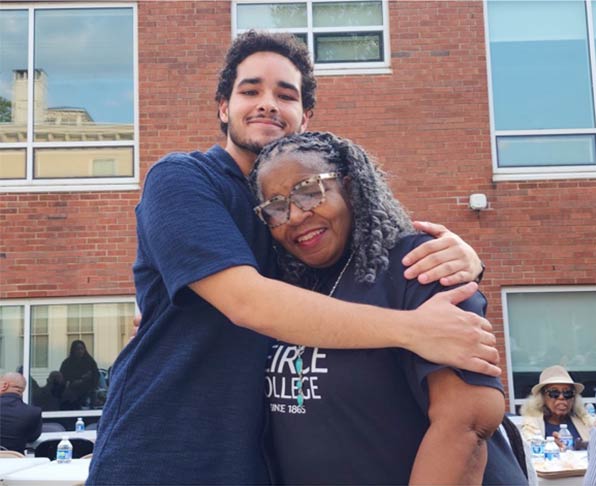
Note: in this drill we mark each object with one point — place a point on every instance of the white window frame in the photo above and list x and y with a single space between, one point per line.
330 69
572 289
27 304
73 184
543 172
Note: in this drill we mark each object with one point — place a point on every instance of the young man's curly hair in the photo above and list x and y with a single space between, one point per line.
286 45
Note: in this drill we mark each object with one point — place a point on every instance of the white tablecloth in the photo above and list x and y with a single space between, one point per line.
9 465
52 473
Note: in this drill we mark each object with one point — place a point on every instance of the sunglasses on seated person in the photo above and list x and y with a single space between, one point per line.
307 195
554 394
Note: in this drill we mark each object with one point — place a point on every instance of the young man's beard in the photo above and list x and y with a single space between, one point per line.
249 145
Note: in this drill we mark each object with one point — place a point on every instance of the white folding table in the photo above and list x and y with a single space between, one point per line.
73 473
9 465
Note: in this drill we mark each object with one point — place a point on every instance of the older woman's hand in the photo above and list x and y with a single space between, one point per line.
447 258
559 442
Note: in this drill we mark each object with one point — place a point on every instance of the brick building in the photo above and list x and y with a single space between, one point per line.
453 98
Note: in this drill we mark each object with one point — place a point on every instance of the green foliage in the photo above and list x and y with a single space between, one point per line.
5 110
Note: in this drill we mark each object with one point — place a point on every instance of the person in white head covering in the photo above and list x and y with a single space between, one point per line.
556 400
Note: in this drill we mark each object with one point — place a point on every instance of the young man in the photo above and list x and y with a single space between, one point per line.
186 402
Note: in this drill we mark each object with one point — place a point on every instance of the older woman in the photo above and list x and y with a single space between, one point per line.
556 400
369 416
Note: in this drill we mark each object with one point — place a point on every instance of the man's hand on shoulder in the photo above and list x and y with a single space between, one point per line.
444 333
447 258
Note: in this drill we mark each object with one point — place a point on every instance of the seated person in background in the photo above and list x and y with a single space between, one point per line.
372 416
19 423
49 396
556 400
81 376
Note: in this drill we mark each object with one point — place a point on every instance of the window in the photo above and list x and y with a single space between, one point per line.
11 333
40 336
349 35
79 326
68 98
541 64
547 326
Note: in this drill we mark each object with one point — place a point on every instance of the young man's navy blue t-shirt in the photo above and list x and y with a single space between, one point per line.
186 395
365 410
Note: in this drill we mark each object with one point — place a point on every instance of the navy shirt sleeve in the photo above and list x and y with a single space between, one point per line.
417 368
185 244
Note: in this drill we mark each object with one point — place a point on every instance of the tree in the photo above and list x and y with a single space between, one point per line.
5 110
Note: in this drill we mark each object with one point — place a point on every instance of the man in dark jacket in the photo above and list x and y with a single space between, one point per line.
19 423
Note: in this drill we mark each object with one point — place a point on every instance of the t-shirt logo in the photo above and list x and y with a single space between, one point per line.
281 377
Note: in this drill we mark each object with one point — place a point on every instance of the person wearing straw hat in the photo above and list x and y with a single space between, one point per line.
556 400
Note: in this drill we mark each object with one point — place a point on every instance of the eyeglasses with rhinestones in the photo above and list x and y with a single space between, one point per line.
307 195
554 394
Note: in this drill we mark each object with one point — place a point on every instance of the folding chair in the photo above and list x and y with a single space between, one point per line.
7 453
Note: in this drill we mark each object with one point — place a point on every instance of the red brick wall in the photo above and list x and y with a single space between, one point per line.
427 123
66 244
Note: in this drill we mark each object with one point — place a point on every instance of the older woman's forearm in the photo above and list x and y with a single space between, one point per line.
462 418
449 455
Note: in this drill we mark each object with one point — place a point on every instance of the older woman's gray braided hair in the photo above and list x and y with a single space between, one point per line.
379 219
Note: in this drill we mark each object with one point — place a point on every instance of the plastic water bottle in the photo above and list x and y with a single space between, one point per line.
79 425
64 451
537 446
551 450
566 437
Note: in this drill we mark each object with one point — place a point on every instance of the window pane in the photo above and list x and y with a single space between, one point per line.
72 320
13 75
39 351
84 74
86 318
70 382
360 47
82 162
39 320
546 151
11 331
271 16
540 65
343 14
13 164
549 328
39 337
80 320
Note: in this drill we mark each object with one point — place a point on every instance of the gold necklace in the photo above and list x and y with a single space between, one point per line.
298 364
